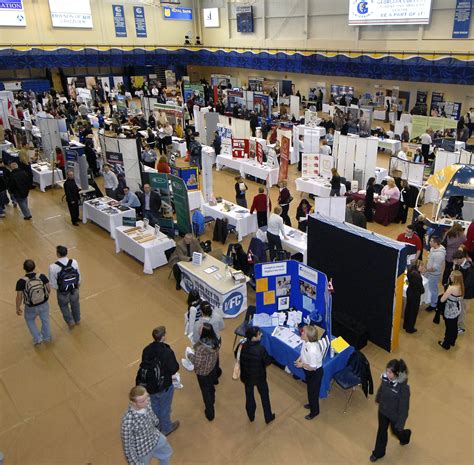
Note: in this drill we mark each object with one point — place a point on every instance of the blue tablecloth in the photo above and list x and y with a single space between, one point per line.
286 356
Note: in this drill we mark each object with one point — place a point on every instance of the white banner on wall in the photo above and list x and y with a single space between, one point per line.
71 13
12 13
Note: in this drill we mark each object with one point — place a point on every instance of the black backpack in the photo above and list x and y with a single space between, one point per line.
151 376
68 277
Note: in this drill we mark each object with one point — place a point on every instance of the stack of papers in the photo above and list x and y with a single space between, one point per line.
278 318
294 318
263 320
287 336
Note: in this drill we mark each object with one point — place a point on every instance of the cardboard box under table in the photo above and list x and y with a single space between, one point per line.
143 244
216 285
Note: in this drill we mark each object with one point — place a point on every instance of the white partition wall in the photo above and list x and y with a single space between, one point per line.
208 156
444 158
332 207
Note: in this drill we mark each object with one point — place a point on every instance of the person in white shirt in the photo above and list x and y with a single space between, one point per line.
402 154
311 360
325 149
300 150
130 199
274 227
110 181
426 141
64 276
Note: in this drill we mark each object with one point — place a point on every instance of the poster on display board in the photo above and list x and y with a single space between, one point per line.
140 21
118 81
452 110
310 165
462 19
195 92
352 118
181 204
174 113
255 84
317 92
220 80
234 97
90 82
71 13
119 20
137 81
272 88
190 176
365 122
225 134
240 148
379 97
422 100
419 125
437 98
252 148
121 104
115 160
170 78
261 105
12 13
284 159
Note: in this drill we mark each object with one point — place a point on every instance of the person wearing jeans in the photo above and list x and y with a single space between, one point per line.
34 286
19 187
434 270
275 226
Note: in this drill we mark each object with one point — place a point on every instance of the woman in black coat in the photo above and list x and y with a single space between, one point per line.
414 292
254 360
393 398
369 200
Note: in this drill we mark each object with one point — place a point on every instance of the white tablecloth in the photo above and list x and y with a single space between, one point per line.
196 200
43 176
297 243
458 145
104 220
245 223
151 253
318 186
425 297
390 144
250 167
380 175
179 147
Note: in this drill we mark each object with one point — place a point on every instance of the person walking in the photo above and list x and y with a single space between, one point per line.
254 360
72 197
311 360
434 270
393 398
141 438
193 314
453 298
284 199
160 357
259 204
19 188
240 191
33 291
335 183
65 277
414 292
205 357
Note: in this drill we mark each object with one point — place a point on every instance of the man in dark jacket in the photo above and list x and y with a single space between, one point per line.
464 265
3 190
19 187
72 197
151 204
217 143
254 360
253 123
161 400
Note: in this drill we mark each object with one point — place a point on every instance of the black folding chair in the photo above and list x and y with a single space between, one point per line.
242 328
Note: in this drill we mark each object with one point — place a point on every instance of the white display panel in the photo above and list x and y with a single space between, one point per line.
210 17
376 12
12 13
71 13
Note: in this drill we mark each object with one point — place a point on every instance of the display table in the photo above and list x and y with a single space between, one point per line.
385 213
43 175
321 187
250 167
286 356
297 242
217 288
394 146
107 217
150 253
245 223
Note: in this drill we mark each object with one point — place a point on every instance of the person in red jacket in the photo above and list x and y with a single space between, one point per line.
259 205
162 166
410 237
469 244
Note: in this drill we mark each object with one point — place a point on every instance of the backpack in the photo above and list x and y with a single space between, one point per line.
68 277
150 375
35 292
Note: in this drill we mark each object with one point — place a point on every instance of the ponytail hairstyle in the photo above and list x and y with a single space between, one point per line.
397 367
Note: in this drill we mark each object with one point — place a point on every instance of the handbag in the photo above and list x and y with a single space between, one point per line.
236 370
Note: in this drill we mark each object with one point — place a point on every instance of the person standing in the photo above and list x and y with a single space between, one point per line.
110 181
369 200
275 227
148 156
469 244
393 398
205 357
150 202
159 354
419 227
302 212
300 151
410 237
71 192
141 438
261 206
311 360
254 360
335 183
464 265
19 188
414 292
453 297
65 278
240 190
33 291
284 199
3 190
454 239
426 142
434 270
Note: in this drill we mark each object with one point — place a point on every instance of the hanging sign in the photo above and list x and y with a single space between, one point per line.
140 21
462 19
119 21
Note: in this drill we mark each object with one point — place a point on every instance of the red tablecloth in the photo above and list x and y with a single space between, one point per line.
385 213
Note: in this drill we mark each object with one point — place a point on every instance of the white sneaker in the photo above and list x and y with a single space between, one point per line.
461 330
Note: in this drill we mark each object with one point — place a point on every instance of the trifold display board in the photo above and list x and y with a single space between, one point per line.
367 272
411 171
282 286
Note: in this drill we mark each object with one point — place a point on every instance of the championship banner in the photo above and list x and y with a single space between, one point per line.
240 147
284 159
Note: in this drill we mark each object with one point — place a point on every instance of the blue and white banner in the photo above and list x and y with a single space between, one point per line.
12 13
178 13
140 21
119 21
462 19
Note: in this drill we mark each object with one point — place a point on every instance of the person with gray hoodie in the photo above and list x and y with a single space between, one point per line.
393 398
434 270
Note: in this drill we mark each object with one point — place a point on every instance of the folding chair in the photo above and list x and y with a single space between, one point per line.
242 328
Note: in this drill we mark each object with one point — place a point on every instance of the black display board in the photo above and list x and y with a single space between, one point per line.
363 274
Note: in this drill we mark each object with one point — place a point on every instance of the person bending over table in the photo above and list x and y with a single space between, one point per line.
150 202
183 253
275 226
311 360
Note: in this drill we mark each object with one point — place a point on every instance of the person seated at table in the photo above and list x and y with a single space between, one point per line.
60 161
402 154
150 202
357 216
259 205
302 212
239 259
162 165
130 199
391 191
405 134
325 149
275 226
183 253
311 360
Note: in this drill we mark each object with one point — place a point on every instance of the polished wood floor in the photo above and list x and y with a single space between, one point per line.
61 404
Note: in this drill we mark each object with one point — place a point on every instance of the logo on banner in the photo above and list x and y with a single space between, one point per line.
187 282
233 303
362 8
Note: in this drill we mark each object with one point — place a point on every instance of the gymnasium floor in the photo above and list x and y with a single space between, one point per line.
61 404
